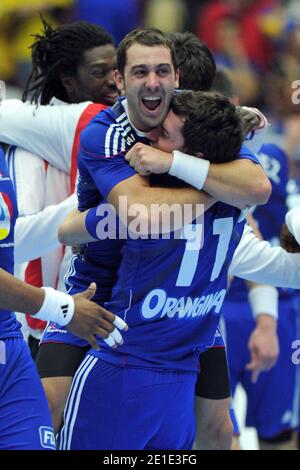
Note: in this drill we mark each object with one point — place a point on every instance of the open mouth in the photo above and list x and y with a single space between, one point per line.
151 102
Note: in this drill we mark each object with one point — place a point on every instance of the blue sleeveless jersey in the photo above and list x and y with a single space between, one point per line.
270 216
9 326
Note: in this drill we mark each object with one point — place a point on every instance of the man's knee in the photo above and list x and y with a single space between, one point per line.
214 425
221 430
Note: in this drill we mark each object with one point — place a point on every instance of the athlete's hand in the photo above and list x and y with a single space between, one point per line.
263 346
288 241
146 160
90 319
250 119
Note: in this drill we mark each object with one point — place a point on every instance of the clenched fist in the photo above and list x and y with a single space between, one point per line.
146 159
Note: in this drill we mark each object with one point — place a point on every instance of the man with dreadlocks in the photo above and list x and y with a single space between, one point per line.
71 64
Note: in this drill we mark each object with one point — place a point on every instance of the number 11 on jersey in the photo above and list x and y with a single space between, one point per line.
194 236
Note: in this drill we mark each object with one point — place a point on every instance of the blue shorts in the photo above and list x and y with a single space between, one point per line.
218 340
111 407
25 422
272 400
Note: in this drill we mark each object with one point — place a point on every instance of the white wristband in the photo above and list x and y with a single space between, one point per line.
292 220
190 169
57 307
264 300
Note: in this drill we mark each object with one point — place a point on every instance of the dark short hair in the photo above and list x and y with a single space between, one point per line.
146 37
59 51
195 61
211 125
222 83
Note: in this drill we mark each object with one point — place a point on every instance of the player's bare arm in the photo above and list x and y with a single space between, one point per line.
73 231
88 319
15 295
263 346
240 183
137 190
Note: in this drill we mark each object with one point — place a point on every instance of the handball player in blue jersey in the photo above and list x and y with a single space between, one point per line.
161 356
132 366
159 70
25 422
272 406
102 261
129 355
271 413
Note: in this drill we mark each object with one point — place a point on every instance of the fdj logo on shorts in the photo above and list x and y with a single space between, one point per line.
6 213
47 437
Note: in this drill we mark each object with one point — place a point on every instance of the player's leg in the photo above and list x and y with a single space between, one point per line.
25 422
57 390
214 426
235 445
213 401
57 362
239 324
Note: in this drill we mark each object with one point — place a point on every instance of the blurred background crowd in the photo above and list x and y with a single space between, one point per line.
257 40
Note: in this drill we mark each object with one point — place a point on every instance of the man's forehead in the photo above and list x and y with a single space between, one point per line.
139 54
100 54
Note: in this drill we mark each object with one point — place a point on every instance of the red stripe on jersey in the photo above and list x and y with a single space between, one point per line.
33 275
90 111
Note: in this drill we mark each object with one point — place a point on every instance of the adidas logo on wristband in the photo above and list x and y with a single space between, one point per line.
57 307
64 309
